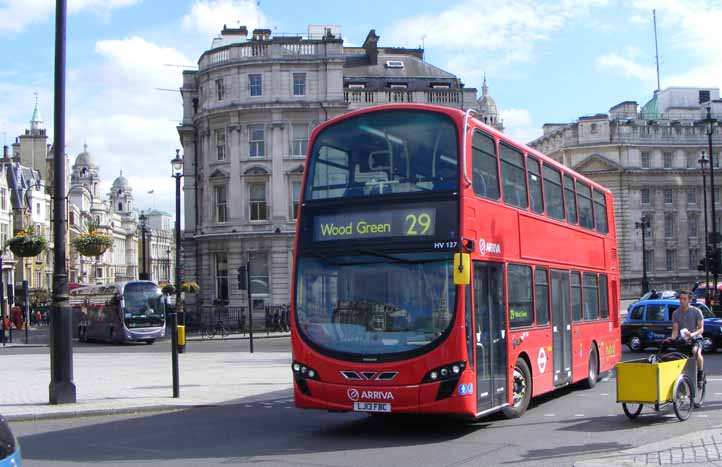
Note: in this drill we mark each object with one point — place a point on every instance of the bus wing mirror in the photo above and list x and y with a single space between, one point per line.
462 268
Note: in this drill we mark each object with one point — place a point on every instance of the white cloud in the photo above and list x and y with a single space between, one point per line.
488 34
519 124
16 15
208 16
627 67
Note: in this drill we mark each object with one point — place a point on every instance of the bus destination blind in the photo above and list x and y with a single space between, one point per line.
407 223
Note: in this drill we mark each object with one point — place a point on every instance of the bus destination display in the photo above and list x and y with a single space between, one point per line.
418 222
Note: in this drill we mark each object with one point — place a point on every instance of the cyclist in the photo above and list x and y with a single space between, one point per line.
688 323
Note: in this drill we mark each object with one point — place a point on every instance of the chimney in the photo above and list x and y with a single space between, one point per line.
6 153
370 46
239 31
261 34
16 158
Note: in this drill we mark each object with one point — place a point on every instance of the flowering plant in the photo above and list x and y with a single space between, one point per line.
190 287
27 243
92 243
168 289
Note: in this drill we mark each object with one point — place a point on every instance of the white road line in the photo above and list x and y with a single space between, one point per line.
605 394
549 415
703 415
578 414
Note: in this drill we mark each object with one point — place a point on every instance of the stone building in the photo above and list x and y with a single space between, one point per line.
247 114
159 245
649 158
114 216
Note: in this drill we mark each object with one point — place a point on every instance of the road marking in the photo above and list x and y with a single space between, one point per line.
605 394
578 414
718 393
703 415
549 415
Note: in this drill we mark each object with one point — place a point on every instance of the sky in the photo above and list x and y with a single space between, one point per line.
545 61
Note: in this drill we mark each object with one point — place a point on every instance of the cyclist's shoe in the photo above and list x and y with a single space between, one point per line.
700 378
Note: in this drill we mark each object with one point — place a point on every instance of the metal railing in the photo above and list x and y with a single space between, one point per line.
273 318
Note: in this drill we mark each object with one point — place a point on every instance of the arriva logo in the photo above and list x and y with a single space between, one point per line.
383 395
489 247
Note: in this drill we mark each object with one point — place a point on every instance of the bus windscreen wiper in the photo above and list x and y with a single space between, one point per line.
368 251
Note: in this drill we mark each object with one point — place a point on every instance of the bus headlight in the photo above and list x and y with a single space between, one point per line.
446 372
303 371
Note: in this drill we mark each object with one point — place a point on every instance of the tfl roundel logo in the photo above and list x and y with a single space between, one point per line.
352 394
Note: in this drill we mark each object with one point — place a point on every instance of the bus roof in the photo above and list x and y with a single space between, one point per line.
458 116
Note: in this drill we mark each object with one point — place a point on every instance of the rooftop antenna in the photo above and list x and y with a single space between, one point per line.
423 46
656 50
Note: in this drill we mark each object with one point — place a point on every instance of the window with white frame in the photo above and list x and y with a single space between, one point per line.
299 141
221 260
692 221
693 257
259 272
691 195
645 159
255 84
667 159
4 229
220 137
3 199
650 260
220 198
257 200
645 195
691 161
299 84
295 198
669 260
669 225
256 142
220 89
668 196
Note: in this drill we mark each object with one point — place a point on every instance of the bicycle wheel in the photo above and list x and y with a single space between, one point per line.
222 331
632 411
699 395
682 398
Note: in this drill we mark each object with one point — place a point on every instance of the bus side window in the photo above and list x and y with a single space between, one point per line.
553 192
591 296
570 199
576 296
603 297
520 287
586 215
535 185
541 296
513 176
485 173
600 212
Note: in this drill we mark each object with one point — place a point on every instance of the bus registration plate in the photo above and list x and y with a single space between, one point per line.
371 407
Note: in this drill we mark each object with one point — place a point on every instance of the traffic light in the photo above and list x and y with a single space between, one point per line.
715 261
702 265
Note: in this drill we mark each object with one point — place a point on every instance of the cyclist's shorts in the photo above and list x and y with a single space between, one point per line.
698 341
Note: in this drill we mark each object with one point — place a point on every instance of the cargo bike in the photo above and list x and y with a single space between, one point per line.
663 379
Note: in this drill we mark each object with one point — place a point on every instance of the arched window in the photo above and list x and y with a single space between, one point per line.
120 206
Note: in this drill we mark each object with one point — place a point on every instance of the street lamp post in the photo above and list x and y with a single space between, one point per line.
167 265
62 387
703 164
715 235
644 225
177 164
143 271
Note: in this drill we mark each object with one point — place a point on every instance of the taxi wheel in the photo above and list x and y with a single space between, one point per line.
521 390
635 343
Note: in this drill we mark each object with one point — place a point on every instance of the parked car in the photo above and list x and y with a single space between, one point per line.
9 447
649 322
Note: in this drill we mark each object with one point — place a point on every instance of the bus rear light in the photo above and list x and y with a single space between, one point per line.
444 373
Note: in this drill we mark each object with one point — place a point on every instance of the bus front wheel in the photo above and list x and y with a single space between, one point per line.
521 390
593 369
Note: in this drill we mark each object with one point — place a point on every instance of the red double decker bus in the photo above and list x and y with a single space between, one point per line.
441 267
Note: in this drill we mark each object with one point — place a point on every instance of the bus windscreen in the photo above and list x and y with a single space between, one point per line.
375 304
396 151
144 305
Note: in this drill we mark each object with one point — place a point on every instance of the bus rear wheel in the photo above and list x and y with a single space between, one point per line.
521 390
593 369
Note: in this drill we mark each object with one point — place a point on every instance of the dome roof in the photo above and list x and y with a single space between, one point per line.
487 105
121 183
85 159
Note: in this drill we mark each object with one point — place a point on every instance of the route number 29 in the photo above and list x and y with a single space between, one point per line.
417 224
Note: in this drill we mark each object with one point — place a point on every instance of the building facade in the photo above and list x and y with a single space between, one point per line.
159 245
648 157
247 115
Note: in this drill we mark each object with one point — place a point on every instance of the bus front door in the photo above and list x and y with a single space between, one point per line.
490 327
561 328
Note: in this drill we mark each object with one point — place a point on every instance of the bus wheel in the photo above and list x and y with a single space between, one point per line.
593 373
521 390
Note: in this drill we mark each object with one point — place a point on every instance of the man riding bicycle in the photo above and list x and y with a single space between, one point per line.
688 323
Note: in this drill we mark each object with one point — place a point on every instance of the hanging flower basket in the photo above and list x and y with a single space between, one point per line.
168 289
26 243
190 287
92 243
